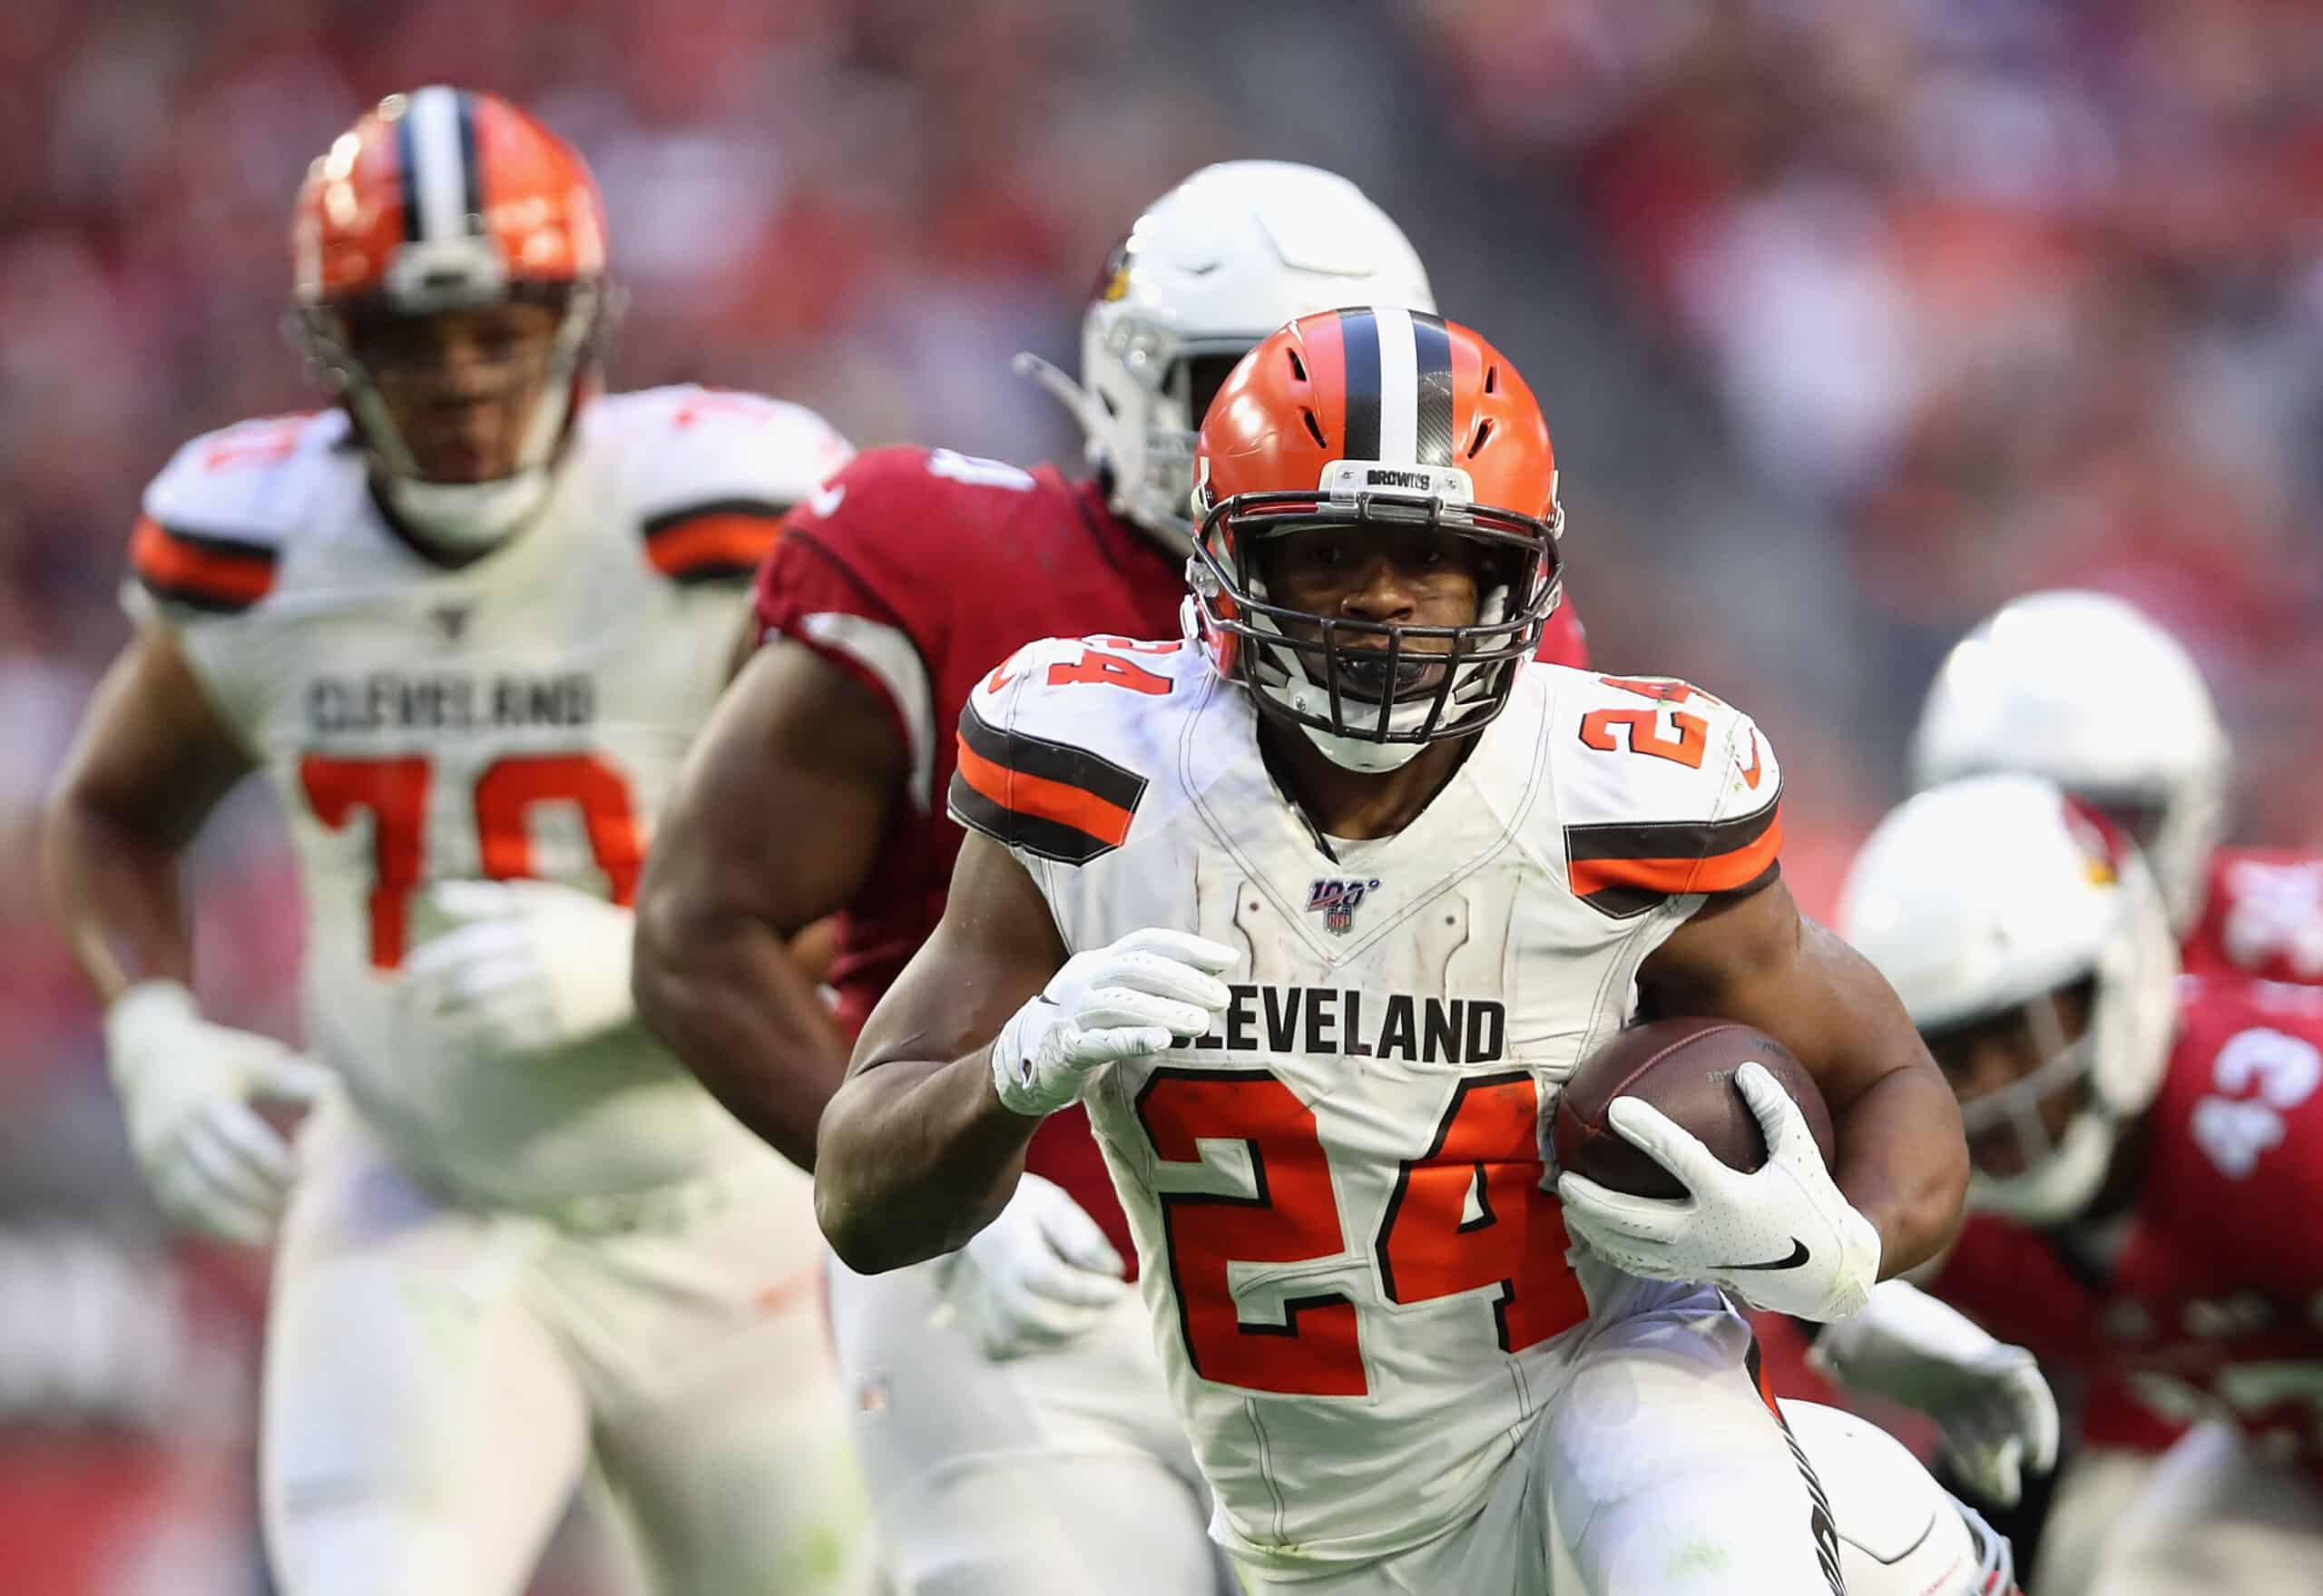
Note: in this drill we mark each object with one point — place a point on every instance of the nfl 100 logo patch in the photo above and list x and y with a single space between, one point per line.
1336 898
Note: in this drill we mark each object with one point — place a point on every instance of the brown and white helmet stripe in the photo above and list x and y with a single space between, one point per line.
1398 386
439 178
443 185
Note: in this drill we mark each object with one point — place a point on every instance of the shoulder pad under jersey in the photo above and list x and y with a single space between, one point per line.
214 524
1662 790
709 473
895 516
874 567
883 540
1059 744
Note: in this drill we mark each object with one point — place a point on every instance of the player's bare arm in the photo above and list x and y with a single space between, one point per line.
152 759
1903 1162
775 822
917 1152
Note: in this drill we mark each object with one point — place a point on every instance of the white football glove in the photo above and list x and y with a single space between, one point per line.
186 1086
1040 1275
1995 1411
1119 1002
1782 1237
526 966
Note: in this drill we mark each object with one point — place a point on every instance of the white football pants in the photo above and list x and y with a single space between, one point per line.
438 1380
1657 1469
1060 1473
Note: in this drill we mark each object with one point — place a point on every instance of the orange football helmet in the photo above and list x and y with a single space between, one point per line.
1383 417
449 200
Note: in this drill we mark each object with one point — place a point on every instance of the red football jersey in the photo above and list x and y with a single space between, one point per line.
2262 915
917 571
2214 1304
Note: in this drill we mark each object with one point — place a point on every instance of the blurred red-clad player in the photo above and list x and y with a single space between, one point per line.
2083 689
819 789
2149 1153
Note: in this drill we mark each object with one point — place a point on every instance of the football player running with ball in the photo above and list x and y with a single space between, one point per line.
1312 911
1009 1406
465 623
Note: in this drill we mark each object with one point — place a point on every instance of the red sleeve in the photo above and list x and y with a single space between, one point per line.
852 546
1563 641
854 576
2263 915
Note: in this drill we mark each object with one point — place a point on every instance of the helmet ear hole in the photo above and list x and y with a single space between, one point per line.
1298 368
1484 431
1491 378
1315 429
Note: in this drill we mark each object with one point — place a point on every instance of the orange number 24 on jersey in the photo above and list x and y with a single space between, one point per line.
1467 1215
394 793
1643 726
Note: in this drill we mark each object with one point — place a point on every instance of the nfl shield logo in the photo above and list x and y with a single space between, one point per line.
1337 901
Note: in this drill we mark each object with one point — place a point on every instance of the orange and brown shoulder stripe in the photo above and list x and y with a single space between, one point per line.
1049 798
200 571
1623 869
719 540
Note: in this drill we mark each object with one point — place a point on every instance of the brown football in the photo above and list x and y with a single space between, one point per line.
1685 1068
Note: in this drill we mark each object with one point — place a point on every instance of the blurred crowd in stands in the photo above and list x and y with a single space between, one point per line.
1850 321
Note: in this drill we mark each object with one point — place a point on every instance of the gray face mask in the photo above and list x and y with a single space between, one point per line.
2017 1106
466 514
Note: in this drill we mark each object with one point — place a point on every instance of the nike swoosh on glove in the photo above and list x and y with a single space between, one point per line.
1040 1275
186 1087
1996 1413
525 966
1781 1237
1123 1001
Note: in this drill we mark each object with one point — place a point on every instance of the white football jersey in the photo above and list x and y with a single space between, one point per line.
523 717
1346 1229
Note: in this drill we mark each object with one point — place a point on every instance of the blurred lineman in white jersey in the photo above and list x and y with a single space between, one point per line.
466 623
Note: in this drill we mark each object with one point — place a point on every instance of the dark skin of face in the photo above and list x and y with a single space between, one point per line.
1983 1058
1394 576
1994 1054
461 386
